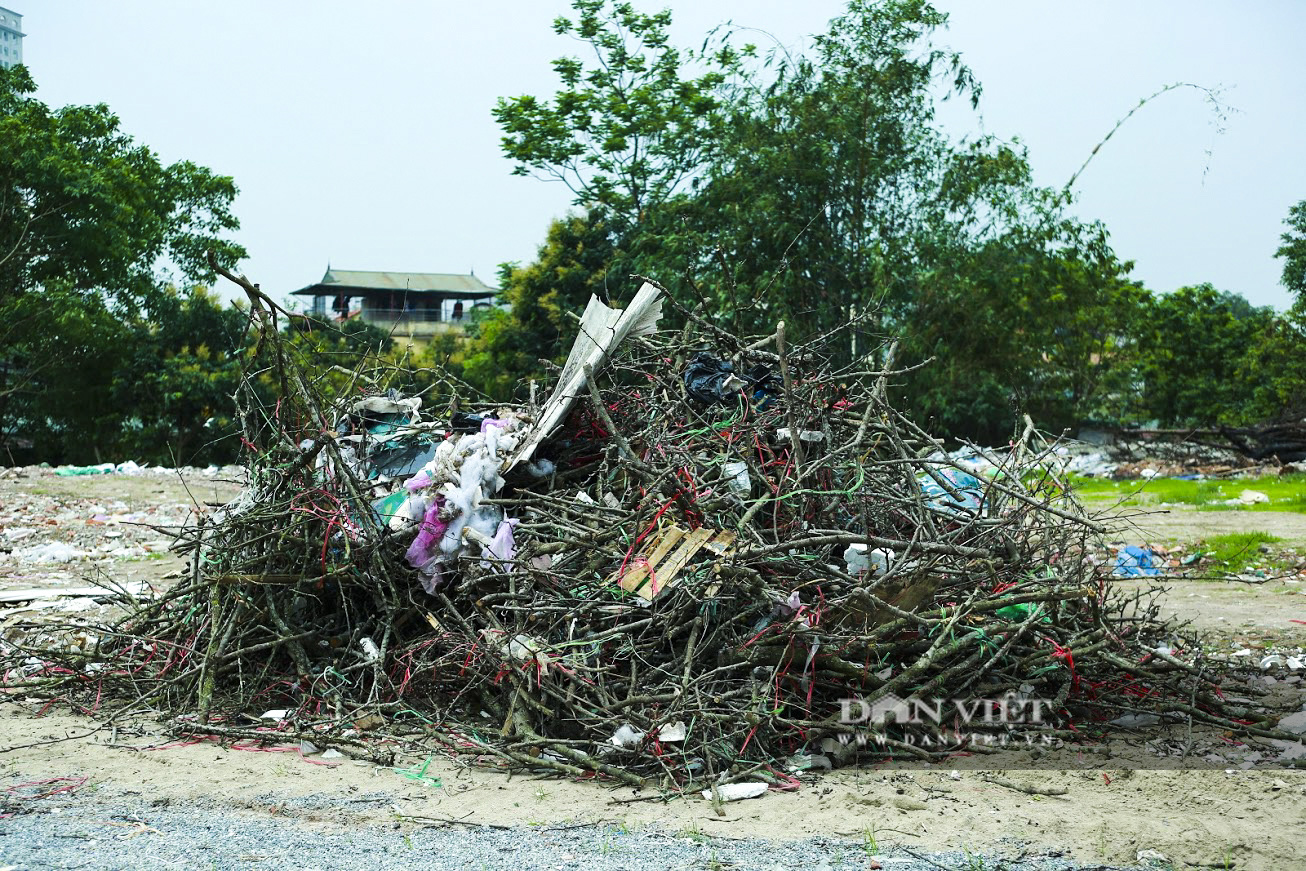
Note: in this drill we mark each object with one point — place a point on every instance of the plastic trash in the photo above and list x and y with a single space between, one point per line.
1253 497
804 435
735 791
969 492
525 649
737 478
382 415
1018 611
712 381
809 762
391 507
1136 562
400 459
77 471
540 468
461 421
1136 721
423 551
501 549
626 737
52 552
860 559
673 732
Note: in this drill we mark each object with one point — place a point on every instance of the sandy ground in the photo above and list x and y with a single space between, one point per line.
1251 819
1218 810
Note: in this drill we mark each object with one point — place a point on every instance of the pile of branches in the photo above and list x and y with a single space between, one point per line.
723 542
1284 441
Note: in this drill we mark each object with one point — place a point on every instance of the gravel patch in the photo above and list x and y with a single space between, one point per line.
89 836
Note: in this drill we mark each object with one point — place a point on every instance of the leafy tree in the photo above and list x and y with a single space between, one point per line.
627 129
818 186
1193 359
1015 328
834 176
83 205
177 381
1274 368
89 219
1293 252
62 368
571 265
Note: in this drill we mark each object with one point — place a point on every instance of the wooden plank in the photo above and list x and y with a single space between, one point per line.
636 576
667 554
665 574
139 588
722 543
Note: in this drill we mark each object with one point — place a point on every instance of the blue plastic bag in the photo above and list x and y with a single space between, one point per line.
1136 562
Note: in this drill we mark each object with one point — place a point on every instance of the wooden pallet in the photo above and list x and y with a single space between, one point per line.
656 567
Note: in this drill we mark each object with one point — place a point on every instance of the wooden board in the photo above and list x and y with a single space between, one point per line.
666 555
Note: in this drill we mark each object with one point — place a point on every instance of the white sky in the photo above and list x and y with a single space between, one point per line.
360 133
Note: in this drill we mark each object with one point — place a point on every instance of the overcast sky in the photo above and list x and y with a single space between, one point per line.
360 133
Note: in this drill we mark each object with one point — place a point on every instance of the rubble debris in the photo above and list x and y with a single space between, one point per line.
735 791
681 595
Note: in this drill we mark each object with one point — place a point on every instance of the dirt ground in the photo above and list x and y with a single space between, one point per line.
1239 614
1218 809
1184 523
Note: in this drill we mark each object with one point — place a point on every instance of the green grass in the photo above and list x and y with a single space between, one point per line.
1235 551
1286 492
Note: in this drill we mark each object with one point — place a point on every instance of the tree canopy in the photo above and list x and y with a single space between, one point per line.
814 188
1293 253
91 224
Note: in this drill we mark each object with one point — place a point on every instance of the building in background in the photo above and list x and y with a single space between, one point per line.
11 38
409 305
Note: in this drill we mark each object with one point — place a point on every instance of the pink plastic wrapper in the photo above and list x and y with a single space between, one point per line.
417 482
428 537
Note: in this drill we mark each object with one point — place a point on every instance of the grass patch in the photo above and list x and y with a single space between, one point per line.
1237 550
1286 492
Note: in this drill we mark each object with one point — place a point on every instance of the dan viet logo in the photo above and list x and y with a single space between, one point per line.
890 708
1011 719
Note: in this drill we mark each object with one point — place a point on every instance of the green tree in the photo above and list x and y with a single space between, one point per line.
627 129
1293 253
89 221
1016 328
822 185
1274 368
177 381
1194 357
834 177
83 205
571 265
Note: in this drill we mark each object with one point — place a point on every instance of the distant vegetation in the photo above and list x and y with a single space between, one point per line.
763 185
757 184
